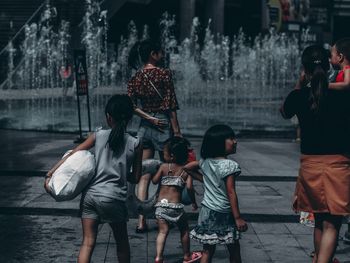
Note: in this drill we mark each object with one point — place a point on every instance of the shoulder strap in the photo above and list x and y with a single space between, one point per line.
169 169
153 86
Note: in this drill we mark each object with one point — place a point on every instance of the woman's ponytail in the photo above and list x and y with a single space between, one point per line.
319 88
316 64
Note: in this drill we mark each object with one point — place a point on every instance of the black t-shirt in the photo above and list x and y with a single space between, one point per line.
327 132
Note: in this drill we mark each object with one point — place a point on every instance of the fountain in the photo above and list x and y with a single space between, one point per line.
229 80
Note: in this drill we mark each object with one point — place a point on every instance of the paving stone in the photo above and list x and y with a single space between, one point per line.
33 230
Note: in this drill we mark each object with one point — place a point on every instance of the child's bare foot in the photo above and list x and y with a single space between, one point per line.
158 260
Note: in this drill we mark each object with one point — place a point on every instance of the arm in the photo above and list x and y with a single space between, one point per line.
175 124
232 196
155 121
289 107
345 85
172 103
192 169
191 192
158 175
86 145
135 176
301 80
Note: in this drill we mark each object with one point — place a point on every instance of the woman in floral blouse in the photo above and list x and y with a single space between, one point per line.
153 88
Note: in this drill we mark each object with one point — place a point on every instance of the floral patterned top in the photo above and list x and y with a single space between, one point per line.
140 88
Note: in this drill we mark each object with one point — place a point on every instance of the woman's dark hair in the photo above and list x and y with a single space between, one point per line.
316 64
214 141
140 52
121 109
343 46
178 147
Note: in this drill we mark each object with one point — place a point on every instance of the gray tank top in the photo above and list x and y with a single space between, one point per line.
111 169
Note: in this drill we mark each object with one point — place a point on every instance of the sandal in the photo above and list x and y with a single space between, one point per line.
196 255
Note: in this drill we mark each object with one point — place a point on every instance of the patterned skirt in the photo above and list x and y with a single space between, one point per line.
170 212
215 228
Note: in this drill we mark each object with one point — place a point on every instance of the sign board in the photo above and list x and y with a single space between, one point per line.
81 80
275 13
81 76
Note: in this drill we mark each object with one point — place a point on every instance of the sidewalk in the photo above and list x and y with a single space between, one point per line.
35 228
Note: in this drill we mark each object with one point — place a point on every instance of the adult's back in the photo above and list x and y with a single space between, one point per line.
324 132
323 185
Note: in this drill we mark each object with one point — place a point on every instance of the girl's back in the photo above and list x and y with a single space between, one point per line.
172 182
215 171
112 168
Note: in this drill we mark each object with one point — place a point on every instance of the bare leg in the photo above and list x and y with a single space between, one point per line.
208 252
331 225
142 189
317 236
163 231
120 233
185 238
235 252
90 227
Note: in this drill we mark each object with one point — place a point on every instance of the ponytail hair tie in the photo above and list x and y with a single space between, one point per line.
317 62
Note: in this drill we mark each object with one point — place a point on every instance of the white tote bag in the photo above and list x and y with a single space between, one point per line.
69 180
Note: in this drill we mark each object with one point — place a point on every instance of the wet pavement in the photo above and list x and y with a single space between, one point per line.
35 228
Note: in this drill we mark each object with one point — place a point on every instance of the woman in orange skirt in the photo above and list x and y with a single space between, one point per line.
323 185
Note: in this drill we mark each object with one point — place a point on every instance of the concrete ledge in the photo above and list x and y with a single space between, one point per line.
243 178
191 216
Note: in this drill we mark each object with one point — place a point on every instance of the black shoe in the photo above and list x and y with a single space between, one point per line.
141 230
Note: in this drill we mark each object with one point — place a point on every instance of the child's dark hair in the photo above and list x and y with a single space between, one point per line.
121 109
214 141
140 52
316 64
343 47
178 147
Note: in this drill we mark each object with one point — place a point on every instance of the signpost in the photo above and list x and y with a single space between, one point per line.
81 80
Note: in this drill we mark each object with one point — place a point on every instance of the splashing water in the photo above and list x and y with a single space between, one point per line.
228 80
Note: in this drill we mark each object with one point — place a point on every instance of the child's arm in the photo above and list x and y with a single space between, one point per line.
192 169
232 196
345 85
135 176
300 81
86 145
158 175
191 192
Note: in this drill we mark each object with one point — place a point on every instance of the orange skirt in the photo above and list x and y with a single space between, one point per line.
323 185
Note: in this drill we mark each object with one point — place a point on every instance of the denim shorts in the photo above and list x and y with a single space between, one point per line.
151 137
103 209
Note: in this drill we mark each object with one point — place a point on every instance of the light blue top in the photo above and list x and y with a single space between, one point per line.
111 169
214 173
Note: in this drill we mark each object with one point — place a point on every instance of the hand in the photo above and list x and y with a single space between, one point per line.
194 206
160 124
241 225
178 134
46 184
